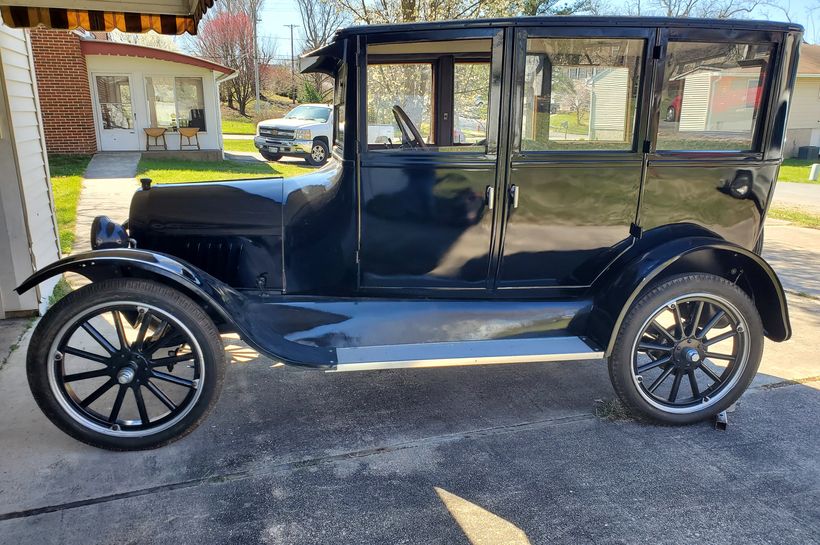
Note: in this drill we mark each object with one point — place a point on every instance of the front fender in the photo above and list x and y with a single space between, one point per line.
618 288
216 297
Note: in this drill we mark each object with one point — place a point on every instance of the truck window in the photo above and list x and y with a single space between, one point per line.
711 95
580 93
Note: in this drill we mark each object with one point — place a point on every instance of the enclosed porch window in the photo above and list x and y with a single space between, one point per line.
175 102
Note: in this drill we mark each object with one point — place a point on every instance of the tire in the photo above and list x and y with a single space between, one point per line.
56 348
671 114
270 156
634 362
319 154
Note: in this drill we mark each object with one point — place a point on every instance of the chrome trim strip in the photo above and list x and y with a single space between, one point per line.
420 355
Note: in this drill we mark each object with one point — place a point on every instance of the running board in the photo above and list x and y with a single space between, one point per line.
407 356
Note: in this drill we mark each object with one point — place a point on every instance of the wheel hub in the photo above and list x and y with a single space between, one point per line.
126 375
688 354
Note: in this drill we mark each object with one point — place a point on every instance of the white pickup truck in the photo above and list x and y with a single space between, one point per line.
305 131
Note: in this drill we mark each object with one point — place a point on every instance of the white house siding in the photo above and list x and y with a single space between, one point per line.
803 128
140 68
28 230
608 109
695 102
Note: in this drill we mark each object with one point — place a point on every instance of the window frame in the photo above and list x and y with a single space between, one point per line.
495 58
641 125
148 93
763 124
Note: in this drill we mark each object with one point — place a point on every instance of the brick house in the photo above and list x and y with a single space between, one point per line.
100 95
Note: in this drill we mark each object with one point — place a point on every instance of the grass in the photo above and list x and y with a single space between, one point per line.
796 170
66 181
798 217
238 126
174 171
61 289
239 145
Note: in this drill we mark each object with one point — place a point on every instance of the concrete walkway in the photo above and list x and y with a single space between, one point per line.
795 195
794 253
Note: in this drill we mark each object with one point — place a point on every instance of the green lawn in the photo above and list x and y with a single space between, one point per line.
174 171
795 216
796 170
238 145
238 126
66 182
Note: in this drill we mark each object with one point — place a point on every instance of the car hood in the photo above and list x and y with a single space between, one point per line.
289 124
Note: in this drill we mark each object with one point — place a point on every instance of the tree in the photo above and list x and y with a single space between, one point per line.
226 37
320 21
148 39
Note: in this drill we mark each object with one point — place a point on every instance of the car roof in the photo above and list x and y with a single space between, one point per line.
573 21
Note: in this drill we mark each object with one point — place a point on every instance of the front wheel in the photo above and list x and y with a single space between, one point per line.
687 349
126 364
319 153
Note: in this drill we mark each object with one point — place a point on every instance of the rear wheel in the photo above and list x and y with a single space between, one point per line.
687 349
126 364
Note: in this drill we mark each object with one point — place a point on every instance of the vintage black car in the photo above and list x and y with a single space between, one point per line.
500 191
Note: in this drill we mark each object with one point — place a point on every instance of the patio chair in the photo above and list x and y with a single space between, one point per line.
189 133
156 133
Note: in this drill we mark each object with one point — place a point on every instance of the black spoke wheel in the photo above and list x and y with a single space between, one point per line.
126 364
687 349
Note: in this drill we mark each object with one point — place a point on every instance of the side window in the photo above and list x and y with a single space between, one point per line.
581 93
711 95
471 98
339 98
393 92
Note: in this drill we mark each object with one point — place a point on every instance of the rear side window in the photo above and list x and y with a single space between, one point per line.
712 94
580 93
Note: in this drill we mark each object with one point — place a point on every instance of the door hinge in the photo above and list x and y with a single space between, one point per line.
647 146
635 230
656 52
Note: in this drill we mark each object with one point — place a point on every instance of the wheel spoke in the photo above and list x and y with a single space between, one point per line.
115 409
653 364
86 375
120 329
86 355
173 379
160 395
140 340
663 331
97 336
679 329
171 360
710 324
673 393
659 380
693 383
719 338
695 318
654 346
144 420
712 375
727 357
95 395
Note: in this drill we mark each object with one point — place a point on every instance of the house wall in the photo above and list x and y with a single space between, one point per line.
65 98
140 68
803 128
28 230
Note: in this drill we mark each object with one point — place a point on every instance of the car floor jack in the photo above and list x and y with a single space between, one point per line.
722 419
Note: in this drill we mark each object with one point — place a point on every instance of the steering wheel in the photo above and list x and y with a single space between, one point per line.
414 139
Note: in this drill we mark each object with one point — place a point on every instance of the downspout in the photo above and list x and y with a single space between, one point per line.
218 80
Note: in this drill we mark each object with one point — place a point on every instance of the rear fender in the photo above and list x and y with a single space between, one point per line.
620 286
220 301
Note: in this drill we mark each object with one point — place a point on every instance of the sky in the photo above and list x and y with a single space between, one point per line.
278 13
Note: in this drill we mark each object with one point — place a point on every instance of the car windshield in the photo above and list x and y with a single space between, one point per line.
312 113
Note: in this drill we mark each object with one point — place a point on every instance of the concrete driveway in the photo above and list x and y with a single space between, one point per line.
796 195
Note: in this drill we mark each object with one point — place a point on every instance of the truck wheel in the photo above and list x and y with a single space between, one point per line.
319 154
270 156
126 364
687 349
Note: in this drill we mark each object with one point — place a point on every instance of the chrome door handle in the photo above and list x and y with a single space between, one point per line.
489 197
514 195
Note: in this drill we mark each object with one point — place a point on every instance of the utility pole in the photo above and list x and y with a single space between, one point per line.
254 14
292 66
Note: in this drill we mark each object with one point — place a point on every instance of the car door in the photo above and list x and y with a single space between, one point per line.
428 158
577 132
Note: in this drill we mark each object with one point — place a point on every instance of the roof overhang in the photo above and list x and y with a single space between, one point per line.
105 47
162 16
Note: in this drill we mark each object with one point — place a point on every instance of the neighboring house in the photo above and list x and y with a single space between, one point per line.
803 128
28 231
100 95
711 96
